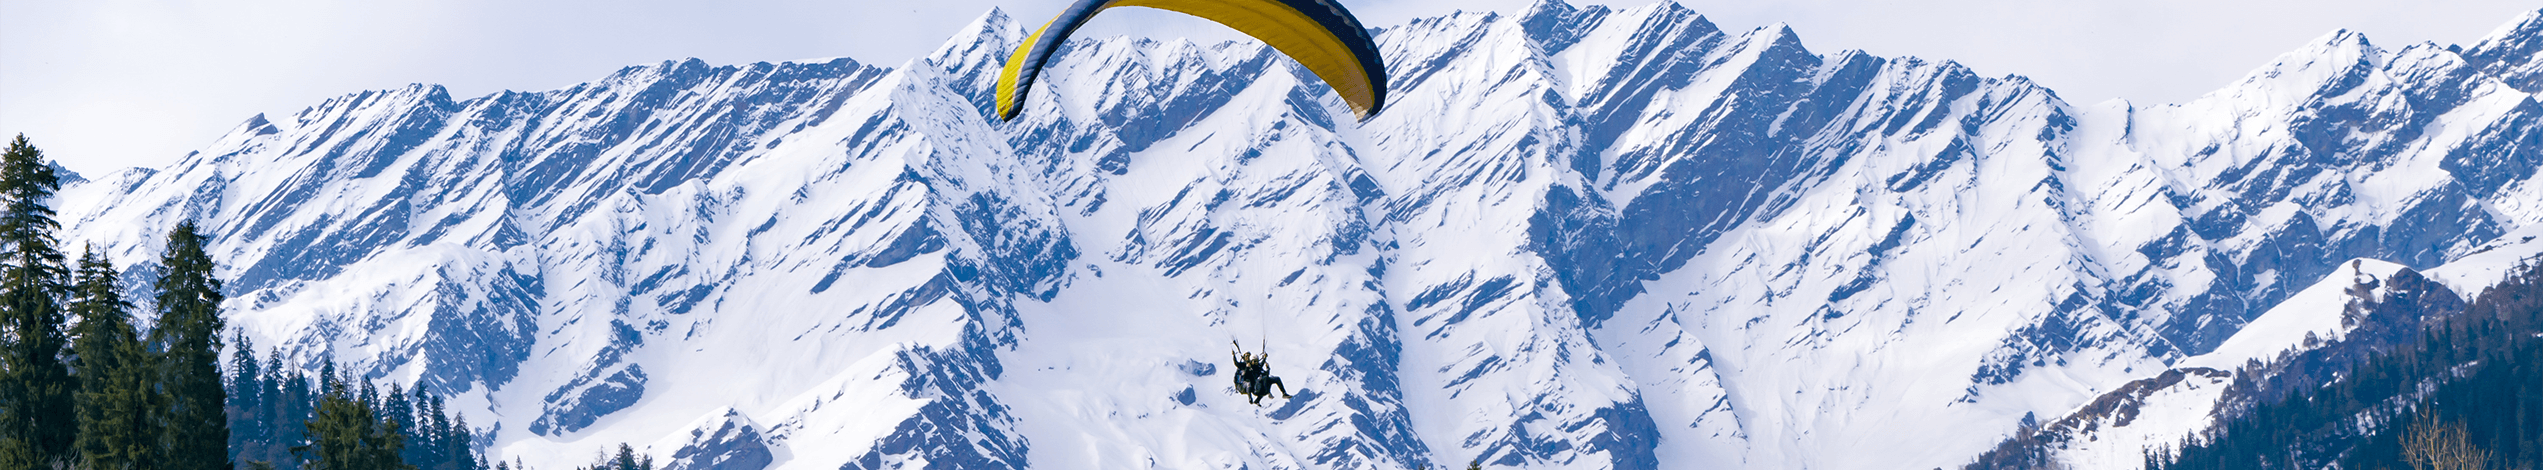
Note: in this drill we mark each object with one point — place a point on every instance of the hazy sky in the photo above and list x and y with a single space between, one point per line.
106 84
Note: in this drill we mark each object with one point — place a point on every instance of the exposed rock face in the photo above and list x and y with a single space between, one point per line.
2363 309
729 442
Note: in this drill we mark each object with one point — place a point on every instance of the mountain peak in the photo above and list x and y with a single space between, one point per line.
1778 35
2514 52
2527 27
256 124
2329 65
972 57
1555 25
665 68
67 176
993 27
1781 31
1558 7
2344 36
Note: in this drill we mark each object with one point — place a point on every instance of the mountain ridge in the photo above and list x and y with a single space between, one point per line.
1718 250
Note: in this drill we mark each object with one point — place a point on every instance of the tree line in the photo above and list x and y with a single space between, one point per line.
101 393
2460 395
327 421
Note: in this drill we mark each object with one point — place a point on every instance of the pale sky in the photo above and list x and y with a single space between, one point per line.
107 84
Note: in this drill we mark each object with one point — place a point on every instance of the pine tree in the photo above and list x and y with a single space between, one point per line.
247 396
274 432
290 408
437 433
189 343
627 459
459 446
348 434
396 408
424 447
37 421
328 381
115 406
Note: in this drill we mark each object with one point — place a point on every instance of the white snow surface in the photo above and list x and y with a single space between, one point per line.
1577 238
2171 413
2313 312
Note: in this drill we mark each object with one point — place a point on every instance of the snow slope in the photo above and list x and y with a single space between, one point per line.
2116 430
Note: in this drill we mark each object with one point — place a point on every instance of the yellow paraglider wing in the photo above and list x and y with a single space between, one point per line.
1319 34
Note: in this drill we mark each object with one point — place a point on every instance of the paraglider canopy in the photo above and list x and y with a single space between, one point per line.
1318 34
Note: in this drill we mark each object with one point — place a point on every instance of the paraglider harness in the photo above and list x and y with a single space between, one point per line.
1253 375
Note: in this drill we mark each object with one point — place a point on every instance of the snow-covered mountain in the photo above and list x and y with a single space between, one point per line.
1578 238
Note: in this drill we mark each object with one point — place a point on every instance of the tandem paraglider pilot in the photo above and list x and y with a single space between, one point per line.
1253 375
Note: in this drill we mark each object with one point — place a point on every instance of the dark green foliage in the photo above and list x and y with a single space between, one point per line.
103 396
188 340
436 429
2407 305
2478 371
442 441
349 434
423 449
286 403
396 408
117 408
247 396
625 459
457 447
294 423
37 423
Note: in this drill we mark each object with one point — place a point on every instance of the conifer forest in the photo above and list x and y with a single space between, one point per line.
85 386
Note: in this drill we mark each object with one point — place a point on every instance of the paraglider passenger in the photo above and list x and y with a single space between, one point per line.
1253 377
